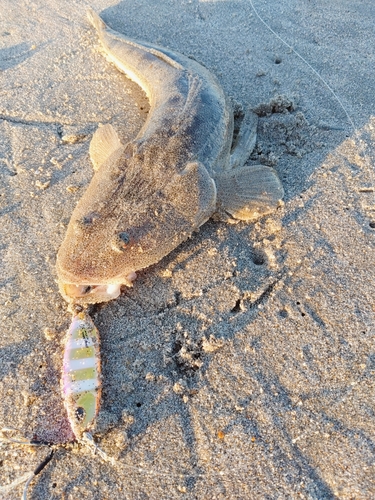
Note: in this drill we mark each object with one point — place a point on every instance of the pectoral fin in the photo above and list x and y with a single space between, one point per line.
249 192
104 143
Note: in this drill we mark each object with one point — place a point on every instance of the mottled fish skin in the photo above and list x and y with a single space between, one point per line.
149 195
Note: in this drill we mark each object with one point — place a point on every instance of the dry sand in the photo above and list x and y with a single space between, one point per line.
242 365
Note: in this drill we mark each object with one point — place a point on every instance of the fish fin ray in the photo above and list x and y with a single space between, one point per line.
104 143
246 140
249 192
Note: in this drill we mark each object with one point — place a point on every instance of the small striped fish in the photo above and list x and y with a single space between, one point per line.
81 380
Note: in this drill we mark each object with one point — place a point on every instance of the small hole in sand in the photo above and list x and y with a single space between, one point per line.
372 224
237 307
138 405
258 259
278 60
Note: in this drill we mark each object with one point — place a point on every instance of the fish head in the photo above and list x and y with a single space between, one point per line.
102 252
104 247
116 229
128 219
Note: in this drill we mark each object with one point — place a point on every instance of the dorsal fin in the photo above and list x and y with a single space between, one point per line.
104 143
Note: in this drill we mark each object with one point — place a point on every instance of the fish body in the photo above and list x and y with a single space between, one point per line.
149 195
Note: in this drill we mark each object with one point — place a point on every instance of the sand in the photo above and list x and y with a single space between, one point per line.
242 365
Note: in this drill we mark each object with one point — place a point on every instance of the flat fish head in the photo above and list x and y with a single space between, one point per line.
119 226
98 257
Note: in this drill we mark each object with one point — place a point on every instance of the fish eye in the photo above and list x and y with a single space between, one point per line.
124 237
121 241
80 413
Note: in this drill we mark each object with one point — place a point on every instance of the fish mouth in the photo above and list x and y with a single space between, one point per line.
91 294
79 291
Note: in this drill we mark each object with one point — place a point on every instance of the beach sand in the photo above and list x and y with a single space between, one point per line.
242 365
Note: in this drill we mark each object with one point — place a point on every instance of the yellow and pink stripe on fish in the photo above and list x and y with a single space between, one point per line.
81 380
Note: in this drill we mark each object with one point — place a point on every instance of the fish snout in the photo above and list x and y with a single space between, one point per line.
89 294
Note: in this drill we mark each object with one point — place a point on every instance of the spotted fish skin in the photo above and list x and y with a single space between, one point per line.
81 374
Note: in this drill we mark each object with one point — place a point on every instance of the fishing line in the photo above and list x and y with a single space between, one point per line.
350 120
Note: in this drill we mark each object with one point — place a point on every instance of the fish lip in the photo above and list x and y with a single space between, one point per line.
69 278
88 294
72 289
